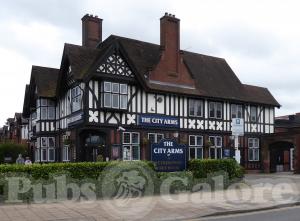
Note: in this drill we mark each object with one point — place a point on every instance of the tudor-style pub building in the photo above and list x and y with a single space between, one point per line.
113 98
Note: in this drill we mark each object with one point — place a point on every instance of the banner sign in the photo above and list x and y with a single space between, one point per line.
152 120
168 156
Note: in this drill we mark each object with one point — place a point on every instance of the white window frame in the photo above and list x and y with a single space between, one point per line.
216 147
194 103
76 95
48 154
42 158
131 145
109 95
66 153
238 111
215 106
254 148
196 146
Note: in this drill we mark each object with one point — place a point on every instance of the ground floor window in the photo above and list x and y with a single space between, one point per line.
51 154
155 137
44 154
253 151
215 150
131 146
66 153
195 147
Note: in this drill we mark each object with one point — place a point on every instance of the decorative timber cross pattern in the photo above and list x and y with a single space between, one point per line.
115 65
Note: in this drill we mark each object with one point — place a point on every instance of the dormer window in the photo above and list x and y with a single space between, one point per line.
115 95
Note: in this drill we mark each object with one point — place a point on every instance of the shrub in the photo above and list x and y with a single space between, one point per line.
11 150
203 168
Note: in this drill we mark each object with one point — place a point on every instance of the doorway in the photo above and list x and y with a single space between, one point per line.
93 148
281 159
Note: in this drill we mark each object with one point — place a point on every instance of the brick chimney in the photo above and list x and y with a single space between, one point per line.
171 68
91 30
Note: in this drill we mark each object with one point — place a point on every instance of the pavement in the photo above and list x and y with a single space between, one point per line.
256 192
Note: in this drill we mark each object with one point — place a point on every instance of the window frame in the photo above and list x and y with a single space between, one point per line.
216 146
109 94
66 153
131 145
256 114
48 154
76 98
239 108
155 137
194 104
215 106
196 146
254 148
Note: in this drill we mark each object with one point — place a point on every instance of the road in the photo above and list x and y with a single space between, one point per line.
288 214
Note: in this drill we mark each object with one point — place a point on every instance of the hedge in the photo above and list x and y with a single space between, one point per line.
12 150
105 175
203 168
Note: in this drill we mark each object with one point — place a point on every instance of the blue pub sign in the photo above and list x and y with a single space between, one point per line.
152 120
168 156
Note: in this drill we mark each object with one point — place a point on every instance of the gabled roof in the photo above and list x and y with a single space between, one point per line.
45 80
26 109
214 77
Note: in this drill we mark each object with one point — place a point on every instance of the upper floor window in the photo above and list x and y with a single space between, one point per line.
76 98
195 108
46 109
253 114
236 111
115 95
215 110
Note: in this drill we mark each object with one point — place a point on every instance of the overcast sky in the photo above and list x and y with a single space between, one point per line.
259 39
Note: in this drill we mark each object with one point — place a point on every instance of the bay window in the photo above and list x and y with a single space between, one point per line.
45 109
47 147
195 108
195 147
131 146
253 149
215 110
215 150
115 95
76 98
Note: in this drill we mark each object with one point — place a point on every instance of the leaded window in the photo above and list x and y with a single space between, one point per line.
115 95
